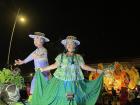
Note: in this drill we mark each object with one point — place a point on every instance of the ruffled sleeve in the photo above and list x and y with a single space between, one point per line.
80 60
58 59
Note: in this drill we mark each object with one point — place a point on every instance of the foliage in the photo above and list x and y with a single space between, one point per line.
8 76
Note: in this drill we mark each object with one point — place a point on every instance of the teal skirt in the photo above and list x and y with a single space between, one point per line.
59 92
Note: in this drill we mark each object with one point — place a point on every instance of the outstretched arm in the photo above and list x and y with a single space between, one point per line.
88 68
26 60
50 67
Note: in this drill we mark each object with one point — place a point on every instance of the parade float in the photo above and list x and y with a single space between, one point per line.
118 75
10 84
121 76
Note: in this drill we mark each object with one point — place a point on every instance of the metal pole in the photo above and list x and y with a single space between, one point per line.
12 33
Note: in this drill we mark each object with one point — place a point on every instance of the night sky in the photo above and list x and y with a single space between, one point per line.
106 30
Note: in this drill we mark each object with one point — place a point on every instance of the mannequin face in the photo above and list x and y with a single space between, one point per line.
38 41
70 46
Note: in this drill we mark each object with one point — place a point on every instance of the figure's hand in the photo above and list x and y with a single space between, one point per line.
19 62
38 69
41 69
100 71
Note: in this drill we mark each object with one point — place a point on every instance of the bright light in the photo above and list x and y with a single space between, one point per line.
22 19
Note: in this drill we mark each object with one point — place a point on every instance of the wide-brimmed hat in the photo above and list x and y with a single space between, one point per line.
40 34
70 39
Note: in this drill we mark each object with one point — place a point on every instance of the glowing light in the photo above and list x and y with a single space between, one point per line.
22 19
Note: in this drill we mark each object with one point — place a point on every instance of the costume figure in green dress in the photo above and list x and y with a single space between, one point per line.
68 86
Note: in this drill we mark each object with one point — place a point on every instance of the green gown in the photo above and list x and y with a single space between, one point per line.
68 79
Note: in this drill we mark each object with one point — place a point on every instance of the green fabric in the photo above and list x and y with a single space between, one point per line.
54 91
68 71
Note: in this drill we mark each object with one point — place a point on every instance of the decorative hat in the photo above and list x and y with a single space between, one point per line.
70 39
40 34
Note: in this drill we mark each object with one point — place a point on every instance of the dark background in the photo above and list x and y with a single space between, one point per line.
108 31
